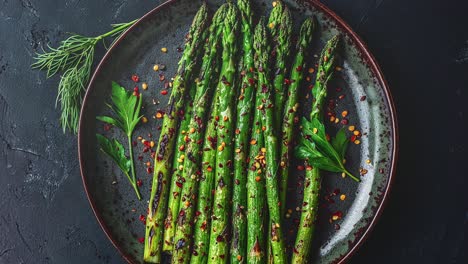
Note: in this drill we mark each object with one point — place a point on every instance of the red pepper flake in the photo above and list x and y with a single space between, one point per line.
140 157
341 97
287 81
141 240
143 219
344 121
338 89
336 192
137 94
164 92
251 81
135 78
107 127
162 77
179 49
363 98
337 215
353 138
136 89
149 170
300 168
139 183
197 213
178 184
299 68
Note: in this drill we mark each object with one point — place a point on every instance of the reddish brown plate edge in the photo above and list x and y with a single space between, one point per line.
370 60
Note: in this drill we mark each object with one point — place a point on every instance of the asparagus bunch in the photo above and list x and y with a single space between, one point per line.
209 72
302 246
269 153
219 243
241 137
280 25
163 159
292 103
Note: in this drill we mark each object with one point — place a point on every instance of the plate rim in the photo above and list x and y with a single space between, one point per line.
369 59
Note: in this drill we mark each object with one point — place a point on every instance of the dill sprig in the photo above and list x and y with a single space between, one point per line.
73 59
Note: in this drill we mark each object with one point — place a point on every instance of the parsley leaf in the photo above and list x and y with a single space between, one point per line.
319 152
126 108
115 150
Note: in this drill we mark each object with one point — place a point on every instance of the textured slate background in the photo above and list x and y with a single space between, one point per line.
422 47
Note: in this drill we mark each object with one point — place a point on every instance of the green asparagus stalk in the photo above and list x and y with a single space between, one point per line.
241 137
219 236
265 94
280 25
177 180
312 183
292 104
209 73
164 153
256 246
205 199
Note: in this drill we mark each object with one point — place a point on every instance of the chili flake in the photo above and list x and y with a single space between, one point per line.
135 78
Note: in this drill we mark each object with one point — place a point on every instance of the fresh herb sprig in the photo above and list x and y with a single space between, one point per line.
73 59
321 153
126 108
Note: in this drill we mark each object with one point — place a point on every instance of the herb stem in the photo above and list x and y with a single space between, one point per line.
115 30
351 175
133 180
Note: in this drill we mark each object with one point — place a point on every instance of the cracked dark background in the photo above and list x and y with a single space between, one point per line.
422 47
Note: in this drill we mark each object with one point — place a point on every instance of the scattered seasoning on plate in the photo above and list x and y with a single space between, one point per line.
135 78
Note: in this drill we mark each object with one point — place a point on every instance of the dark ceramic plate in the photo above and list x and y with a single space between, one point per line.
366 97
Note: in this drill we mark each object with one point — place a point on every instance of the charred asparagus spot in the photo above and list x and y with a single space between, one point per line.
163 159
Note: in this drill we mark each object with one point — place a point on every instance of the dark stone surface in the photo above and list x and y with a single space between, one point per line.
422 47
